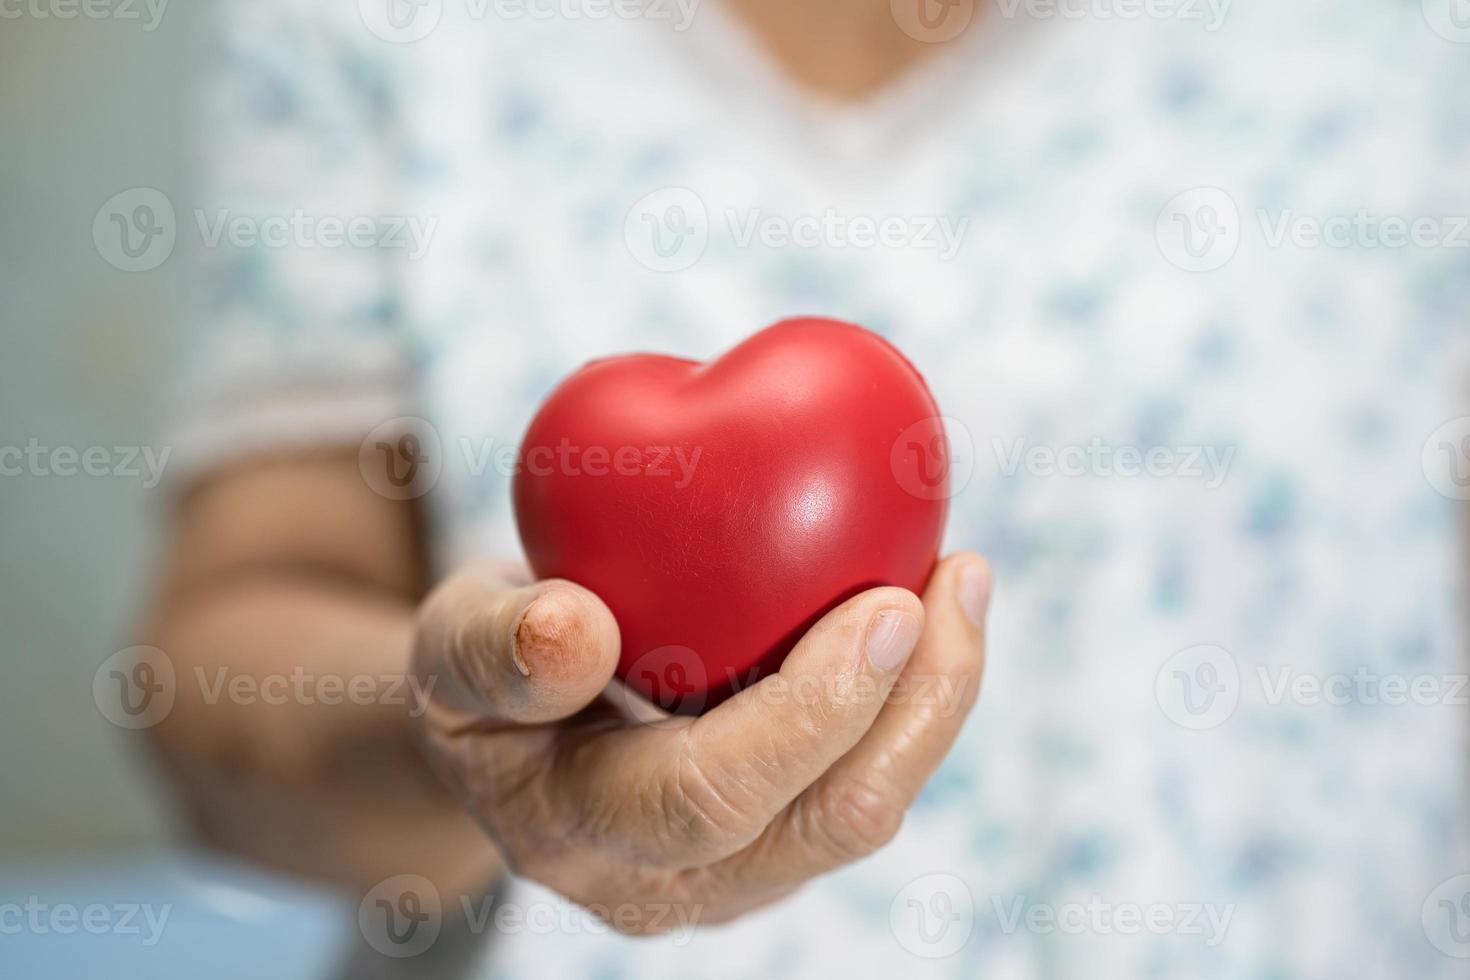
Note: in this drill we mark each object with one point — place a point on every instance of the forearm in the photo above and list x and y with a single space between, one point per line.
289 736
289 629
286 675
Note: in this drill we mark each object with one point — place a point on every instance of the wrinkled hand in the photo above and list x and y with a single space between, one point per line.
629 808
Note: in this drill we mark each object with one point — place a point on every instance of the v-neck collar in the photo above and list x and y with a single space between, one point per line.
837 139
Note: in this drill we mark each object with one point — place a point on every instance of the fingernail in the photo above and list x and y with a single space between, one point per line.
974 593
891 638
535 629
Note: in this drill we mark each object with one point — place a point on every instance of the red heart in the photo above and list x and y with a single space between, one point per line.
721 509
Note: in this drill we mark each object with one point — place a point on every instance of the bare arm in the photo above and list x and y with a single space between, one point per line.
297 570
287 610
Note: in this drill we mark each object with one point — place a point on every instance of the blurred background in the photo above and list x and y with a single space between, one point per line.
88 107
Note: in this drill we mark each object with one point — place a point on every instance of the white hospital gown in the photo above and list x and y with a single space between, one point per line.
1195 438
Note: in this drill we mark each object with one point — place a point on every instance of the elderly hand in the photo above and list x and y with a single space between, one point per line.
619 806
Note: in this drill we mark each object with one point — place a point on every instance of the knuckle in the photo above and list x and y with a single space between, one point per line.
855 818
467 654
705 807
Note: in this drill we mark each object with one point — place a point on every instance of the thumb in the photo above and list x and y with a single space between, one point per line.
522 655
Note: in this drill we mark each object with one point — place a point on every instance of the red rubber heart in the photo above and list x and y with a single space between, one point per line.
721 509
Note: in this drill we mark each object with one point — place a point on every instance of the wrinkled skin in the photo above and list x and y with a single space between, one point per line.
597 794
